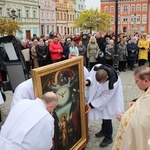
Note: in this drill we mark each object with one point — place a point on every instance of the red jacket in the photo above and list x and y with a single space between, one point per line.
55 50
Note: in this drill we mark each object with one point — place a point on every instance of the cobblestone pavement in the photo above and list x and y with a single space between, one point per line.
130 91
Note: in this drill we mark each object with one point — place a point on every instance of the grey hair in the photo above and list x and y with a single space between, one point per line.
49 97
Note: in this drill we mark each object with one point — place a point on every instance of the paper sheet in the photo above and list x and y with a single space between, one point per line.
10 51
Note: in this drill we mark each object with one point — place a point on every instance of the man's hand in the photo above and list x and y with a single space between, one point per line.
86 82
87 108
119 116
130 104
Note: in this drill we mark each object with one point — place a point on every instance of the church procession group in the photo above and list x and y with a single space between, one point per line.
31 124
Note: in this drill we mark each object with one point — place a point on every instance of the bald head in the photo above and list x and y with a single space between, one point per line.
50 97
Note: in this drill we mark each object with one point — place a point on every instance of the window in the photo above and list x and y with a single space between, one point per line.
52 15
64 16
79 6
19 13
0 11
48 16
70 17
144 7
34 14
132 8
57 16
119 8
138 18
106 9
45 3
61 16
118 19
144 18
8 12
138 7
132 18
52 27
61 30
111 9
125 19
47 29
27 13
112 19
125 8
42 15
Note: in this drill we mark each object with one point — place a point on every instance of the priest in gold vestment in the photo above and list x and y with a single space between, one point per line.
134 129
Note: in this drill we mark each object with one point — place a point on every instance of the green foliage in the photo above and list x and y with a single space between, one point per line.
9 27
93 20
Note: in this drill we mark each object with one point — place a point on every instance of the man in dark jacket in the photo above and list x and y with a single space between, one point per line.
100 42
65 47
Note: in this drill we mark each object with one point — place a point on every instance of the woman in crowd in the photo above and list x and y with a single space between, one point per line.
143 46
34 54
73 50
92 52
42 53
132 51
82 50
122 53
109 51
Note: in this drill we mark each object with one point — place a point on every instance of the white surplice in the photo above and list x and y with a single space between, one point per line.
29 126
107 103
86 75
23 91
1 98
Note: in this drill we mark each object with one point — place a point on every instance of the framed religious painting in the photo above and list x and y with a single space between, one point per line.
66 79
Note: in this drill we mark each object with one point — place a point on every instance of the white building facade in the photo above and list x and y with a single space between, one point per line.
27 15
79 7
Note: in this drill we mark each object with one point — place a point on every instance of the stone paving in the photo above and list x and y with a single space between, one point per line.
130 91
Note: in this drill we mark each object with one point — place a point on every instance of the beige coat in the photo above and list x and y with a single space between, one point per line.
134 129
34 54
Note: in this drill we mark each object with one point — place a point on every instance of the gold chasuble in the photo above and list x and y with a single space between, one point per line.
134 129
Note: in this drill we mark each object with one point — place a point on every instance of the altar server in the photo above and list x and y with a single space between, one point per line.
105 99
29 125
23 91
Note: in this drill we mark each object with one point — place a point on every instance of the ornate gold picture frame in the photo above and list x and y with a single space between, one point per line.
66 79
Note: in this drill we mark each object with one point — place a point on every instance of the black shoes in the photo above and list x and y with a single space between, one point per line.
99 134
106 142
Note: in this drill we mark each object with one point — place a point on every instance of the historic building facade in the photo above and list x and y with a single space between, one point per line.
61 17
79 7
133 15
47 11
71 16
27 14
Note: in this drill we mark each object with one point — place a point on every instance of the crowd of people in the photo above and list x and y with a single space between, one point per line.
96 48
103 88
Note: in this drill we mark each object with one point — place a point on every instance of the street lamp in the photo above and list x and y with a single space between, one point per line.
13 15
116 61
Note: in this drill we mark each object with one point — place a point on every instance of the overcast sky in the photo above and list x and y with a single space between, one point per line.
92 4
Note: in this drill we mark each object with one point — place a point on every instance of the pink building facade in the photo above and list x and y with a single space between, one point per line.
47 15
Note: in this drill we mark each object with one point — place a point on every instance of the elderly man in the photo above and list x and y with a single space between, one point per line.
29 124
